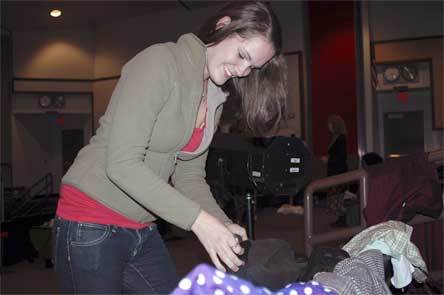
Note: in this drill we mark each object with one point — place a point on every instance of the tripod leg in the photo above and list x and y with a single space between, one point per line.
250 216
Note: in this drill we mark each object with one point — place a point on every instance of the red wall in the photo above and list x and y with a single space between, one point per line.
333 71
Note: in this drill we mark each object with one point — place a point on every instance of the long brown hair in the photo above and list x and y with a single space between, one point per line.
263 93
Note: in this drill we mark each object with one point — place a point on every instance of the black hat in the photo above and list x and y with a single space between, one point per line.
271 263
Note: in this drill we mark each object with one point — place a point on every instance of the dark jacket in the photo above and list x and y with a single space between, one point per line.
337 156
401 188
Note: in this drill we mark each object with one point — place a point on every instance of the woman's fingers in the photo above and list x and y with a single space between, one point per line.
238 230
216 261
230 259
227 256
219 241
237 249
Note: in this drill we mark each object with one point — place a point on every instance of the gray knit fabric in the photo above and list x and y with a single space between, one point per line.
360 275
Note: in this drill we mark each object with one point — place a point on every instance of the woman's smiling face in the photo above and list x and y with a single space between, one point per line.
236 56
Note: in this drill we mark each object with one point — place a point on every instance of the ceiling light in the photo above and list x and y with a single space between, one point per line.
55 13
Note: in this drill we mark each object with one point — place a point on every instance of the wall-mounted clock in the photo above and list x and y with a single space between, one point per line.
45 101
409 72
391 74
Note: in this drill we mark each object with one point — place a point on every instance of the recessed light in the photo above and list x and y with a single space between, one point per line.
55 13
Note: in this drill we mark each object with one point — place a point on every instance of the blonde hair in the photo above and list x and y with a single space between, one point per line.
337 124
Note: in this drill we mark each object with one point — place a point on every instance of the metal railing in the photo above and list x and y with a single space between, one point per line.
312 239
43 186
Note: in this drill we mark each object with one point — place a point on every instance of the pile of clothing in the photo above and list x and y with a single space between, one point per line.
360 267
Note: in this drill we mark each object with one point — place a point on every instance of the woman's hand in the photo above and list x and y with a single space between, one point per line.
237 230
218 240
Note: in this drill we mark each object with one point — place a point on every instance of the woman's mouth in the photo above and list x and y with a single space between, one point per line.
228 74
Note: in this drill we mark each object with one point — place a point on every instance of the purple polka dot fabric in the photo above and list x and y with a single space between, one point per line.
205 279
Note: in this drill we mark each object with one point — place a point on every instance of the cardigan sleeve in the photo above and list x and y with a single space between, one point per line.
189 178
142 92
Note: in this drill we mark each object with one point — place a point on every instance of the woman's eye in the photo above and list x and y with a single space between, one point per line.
241 56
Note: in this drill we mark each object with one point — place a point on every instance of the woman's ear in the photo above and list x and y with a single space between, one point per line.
222 22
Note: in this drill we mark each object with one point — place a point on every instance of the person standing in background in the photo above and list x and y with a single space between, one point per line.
336 162
337 148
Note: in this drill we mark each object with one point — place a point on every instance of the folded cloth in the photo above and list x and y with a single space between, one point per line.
290 209
361 275
396 235
205 279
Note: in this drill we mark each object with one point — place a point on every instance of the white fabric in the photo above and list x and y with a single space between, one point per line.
402 268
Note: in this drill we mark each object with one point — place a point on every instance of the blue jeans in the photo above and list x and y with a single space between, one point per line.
106 259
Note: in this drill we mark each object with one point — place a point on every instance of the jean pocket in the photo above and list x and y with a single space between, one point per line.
90 234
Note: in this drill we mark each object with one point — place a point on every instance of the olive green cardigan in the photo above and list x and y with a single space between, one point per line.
151 115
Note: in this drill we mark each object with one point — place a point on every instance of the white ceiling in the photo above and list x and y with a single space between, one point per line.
31 15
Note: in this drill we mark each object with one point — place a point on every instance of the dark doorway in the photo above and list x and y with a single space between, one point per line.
72 142
403 132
